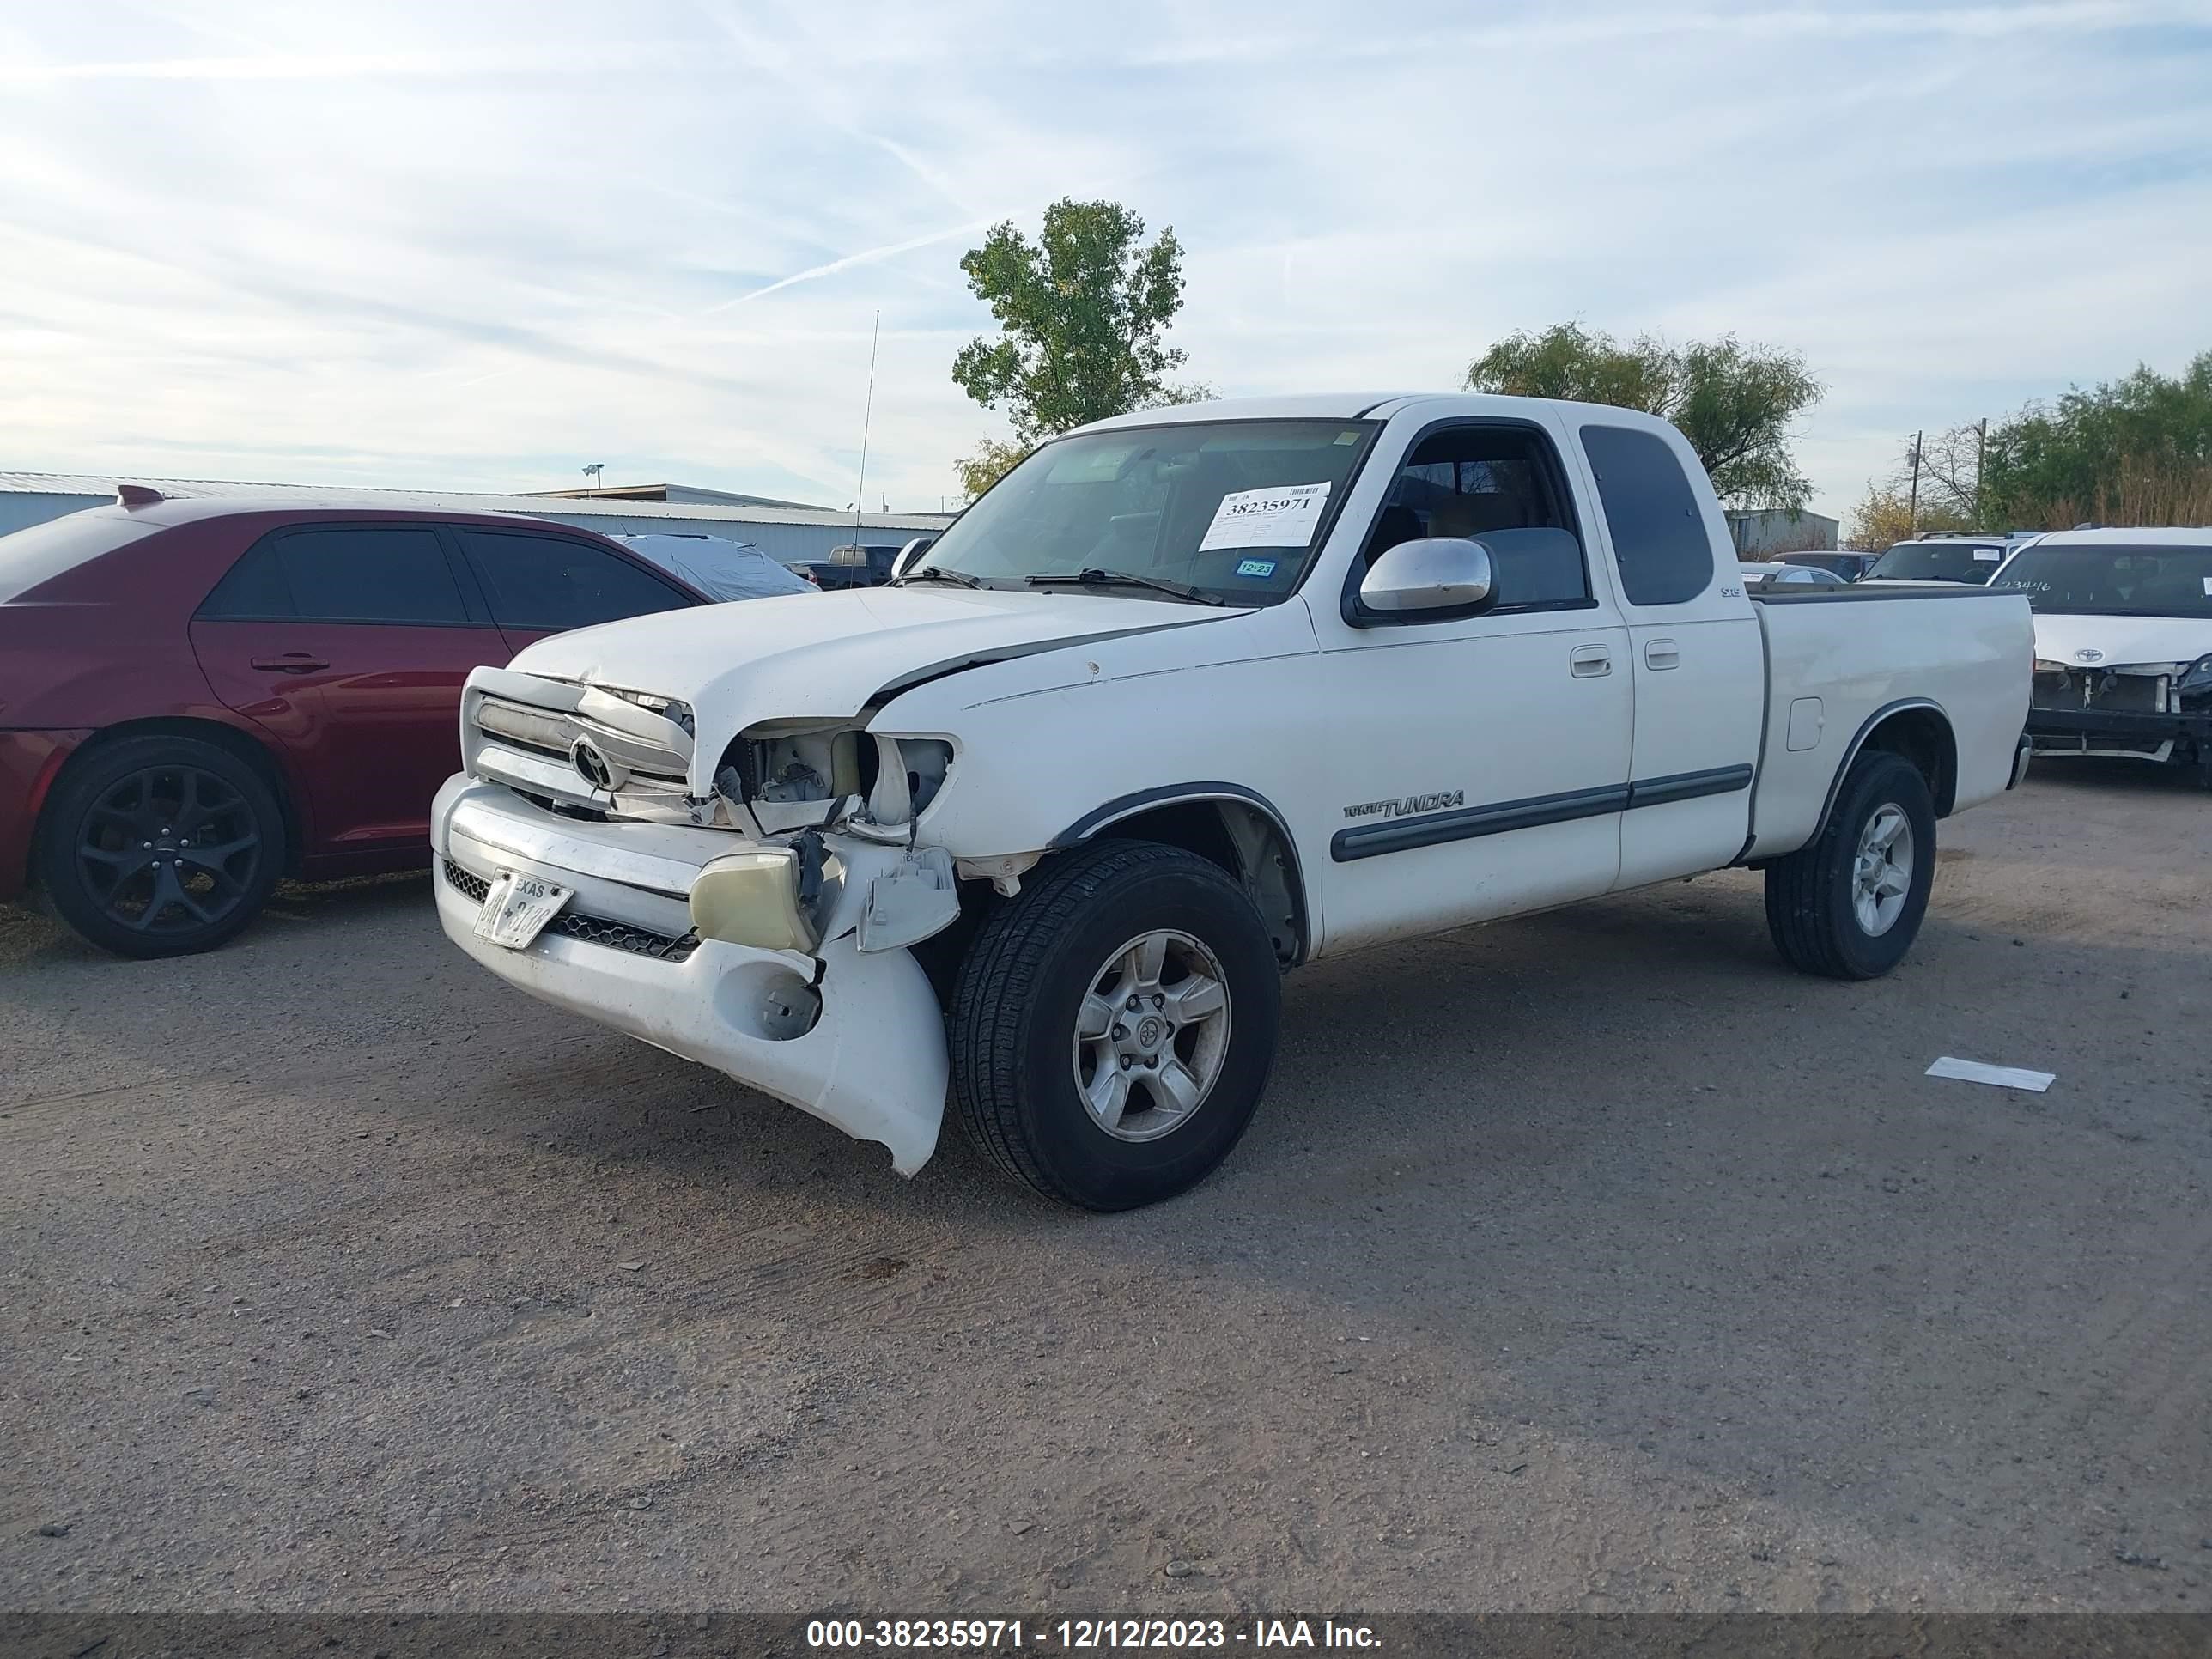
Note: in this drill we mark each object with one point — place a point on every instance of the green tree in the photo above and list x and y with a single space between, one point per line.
1885 514
1733 401
990 461
1081 313
2134 450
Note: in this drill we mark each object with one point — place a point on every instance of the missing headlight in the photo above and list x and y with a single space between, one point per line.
784 763
909 771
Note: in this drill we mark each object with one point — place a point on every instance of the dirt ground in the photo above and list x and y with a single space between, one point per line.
1594 1261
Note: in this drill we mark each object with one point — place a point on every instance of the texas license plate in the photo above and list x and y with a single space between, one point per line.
517 908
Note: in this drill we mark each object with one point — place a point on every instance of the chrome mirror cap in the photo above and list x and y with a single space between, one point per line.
1434 573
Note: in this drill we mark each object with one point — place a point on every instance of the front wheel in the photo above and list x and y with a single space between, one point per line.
1849 904
1113 1027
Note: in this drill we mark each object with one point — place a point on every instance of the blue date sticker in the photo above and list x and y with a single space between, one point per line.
1255 567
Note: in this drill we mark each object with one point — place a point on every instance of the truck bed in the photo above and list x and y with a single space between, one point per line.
1832 671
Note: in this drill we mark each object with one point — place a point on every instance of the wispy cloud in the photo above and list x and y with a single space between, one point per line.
872 256
346 66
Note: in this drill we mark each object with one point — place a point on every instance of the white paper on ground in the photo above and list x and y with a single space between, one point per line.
2005 1077
1285 516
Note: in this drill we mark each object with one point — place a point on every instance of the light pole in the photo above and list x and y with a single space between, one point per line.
596 473
1981 449
1912 507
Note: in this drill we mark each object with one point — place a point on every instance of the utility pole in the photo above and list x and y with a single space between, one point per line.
1981 449
1913 507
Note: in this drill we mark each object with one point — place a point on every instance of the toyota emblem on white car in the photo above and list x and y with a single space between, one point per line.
2089 656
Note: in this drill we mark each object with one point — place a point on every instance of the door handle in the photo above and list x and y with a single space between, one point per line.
292 662
1588 661
1662 654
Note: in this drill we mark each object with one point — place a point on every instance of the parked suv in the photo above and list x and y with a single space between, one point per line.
200 696
1971 559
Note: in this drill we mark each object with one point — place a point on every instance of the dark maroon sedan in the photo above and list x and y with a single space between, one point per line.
199 696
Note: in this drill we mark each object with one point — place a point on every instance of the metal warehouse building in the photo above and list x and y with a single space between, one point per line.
1768 530
780 530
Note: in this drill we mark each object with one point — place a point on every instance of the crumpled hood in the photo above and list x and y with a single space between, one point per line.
805 656
2122 640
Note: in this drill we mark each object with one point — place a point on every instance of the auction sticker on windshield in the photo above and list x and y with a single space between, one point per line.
1284 516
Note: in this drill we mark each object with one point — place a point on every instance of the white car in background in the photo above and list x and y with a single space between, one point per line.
717 567
1763 574
2123 642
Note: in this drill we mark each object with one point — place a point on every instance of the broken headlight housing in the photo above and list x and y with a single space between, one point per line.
791 775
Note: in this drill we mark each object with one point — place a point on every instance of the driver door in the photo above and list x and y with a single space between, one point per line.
1479 765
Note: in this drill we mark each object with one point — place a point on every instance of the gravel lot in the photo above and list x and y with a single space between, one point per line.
1593 1261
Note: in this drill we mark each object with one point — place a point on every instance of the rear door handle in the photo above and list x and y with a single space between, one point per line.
1588 661
1662 654
292 662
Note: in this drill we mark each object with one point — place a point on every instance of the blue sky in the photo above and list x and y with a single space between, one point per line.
477 247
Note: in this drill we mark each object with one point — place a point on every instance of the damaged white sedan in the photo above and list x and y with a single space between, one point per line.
1189 698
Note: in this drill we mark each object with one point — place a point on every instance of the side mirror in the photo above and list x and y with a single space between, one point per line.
1434 573
909 554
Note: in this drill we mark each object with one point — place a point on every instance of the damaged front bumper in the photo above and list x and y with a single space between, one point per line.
2134 735
850 1031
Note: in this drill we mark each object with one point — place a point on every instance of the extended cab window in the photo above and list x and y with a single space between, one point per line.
550 583
342 573
1658 535
1498 485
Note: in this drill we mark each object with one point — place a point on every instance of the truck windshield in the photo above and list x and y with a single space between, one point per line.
1232 508
2114 581
1938 561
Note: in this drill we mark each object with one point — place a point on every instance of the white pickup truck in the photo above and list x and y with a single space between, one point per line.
1190 697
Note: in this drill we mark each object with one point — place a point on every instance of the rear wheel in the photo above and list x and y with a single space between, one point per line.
1849 904
1113 1026
160 846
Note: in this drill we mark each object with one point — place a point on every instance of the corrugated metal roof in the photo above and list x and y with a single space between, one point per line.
103 485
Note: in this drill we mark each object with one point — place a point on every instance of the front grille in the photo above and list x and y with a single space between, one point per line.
2122 693
552 734
620 936
590 930
463 882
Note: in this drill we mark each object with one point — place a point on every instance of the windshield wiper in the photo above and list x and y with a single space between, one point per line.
932 573
1097 578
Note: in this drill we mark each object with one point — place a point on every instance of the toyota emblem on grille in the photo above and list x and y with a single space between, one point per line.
2089 656
591 764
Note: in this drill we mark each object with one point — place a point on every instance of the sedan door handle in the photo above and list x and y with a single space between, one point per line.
292 662
1588 661
1662 654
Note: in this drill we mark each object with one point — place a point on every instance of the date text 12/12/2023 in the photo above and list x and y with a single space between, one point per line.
1086 1635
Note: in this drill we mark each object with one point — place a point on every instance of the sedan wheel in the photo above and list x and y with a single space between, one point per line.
160 846
169 849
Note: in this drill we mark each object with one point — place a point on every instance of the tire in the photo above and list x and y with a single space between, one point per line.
1037 1033
160 846
1817 898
